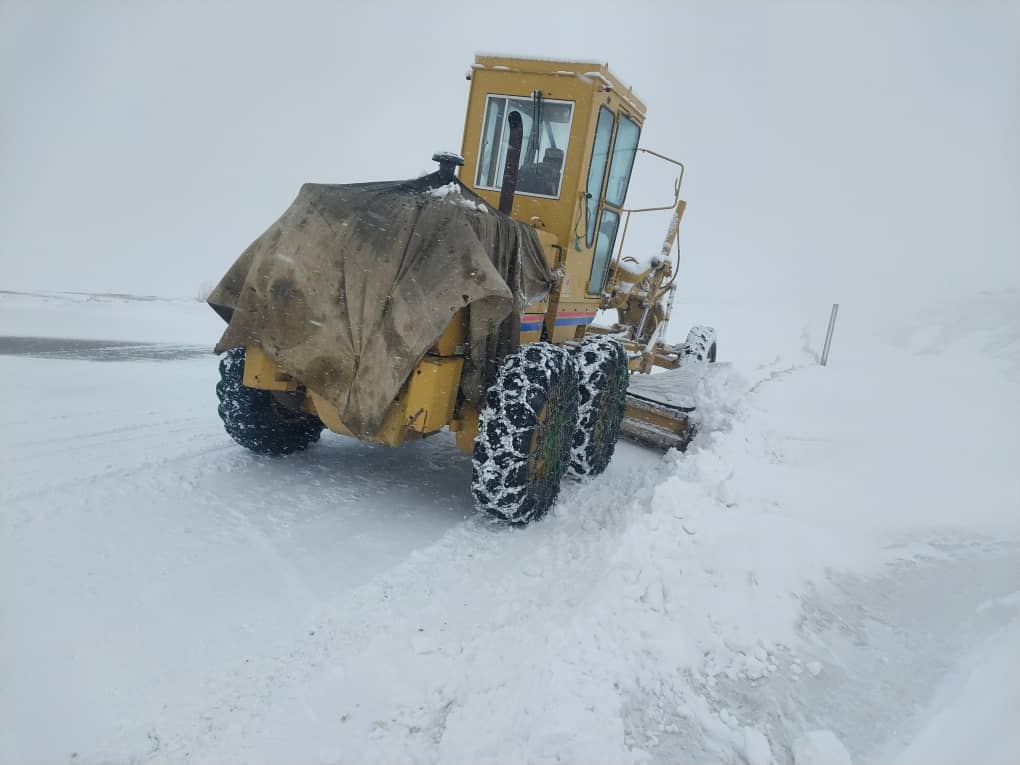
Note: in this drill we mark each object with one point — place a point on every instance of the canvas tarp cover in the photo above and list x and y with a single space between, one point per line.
354 283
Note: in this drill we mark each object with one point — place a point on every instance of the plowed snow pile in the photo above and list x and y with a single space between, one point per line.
815 578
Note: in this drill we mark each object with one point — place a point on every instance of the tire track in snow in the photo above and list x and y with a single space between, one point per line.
104 436
109 472
480 574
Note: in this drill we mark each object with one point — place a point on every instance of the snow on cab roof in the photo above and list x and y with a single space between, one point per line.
549 59
549 65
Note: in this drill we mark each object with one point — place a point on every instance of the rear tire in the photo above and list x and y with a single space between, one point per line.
524 433
603 373
255 419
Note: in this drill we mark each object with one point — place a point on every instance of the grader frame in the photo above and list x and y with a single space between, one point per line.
576 221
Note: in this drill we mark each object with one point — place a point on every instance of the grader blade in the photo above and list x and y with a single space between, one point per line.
660 407
657 424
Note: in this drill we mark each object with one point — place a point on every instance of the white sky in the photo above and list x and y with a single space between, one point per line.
849 150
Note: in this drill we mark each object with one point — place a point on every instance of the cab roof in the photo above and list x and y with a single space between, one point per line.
591 70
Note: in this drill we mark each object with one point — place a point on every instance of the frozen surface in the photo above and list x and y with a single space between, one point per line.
838 551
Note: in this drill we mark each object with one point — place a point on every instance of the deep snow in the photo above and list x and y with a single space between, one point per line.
838 552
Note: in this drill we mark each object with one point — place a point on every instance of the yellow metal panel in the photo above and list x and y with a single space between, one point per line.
425 404
453 337
392 432
261 372
432 393
466 428
326 412
577 306
554 253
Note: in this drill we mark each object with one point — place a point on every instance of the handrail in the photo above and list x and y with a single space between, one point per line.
626 222
676 162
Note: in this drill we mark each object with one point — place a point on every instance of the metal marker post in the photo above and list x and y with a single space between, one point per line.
828 334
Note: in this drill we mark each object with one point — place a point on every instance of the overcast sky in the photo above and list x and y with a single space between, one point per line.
851 150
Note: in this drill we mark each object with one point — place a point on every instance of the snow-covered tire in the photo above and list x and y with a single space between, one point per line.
700 345
524 433
255 419
603 374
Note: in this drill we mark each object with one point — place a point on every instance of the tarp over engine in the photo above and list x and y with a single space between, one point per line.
354 283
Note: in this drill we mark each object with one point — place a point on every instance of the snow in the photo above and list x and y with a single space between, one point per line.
838 551
974 717
820 747
756 748
451 193
108 317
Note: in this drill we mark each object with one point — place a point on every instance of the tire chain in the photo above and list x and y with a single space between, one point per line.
501 481
595 358
252 418
699 343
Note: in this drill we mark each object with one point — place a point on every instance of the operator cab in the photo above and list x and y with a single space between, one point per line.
580 128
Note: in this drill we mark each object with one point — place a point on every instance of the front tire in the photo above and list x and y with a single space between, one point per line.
524 433
603 373
700 345
255 419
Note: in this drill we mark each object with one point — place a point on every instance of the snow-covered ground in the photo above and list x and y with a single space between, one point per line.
831 572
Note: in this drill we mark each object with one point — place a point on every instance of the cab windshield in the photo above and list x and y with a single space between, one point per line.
543 152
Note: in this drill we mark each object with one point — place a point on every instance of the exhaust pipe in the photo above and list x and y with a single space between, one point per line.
513 158
448 164
512 326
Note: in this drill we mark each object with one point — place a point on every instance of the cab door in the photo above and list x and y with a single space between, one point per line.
613 152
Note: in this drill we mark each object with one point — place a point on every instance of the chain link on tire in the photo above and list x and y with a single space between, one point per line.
700 345
255 419
524 433
603 374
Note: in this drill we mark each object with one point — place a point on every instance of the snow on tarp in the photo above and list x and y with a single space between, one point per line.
354 283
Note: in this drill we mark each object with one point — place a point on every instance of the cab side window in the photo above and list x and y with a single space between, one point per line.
597 170
624 149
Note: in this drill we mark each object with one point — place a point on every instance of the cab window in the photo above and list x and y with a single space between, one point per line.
603 249
597 170
543 151
624 149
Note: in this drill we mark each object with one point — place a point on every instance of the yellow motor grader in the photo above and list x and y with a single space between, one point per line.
466 299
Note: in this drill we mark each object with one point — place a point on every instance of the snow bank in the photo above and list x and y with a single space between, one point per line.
108 317
974 716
